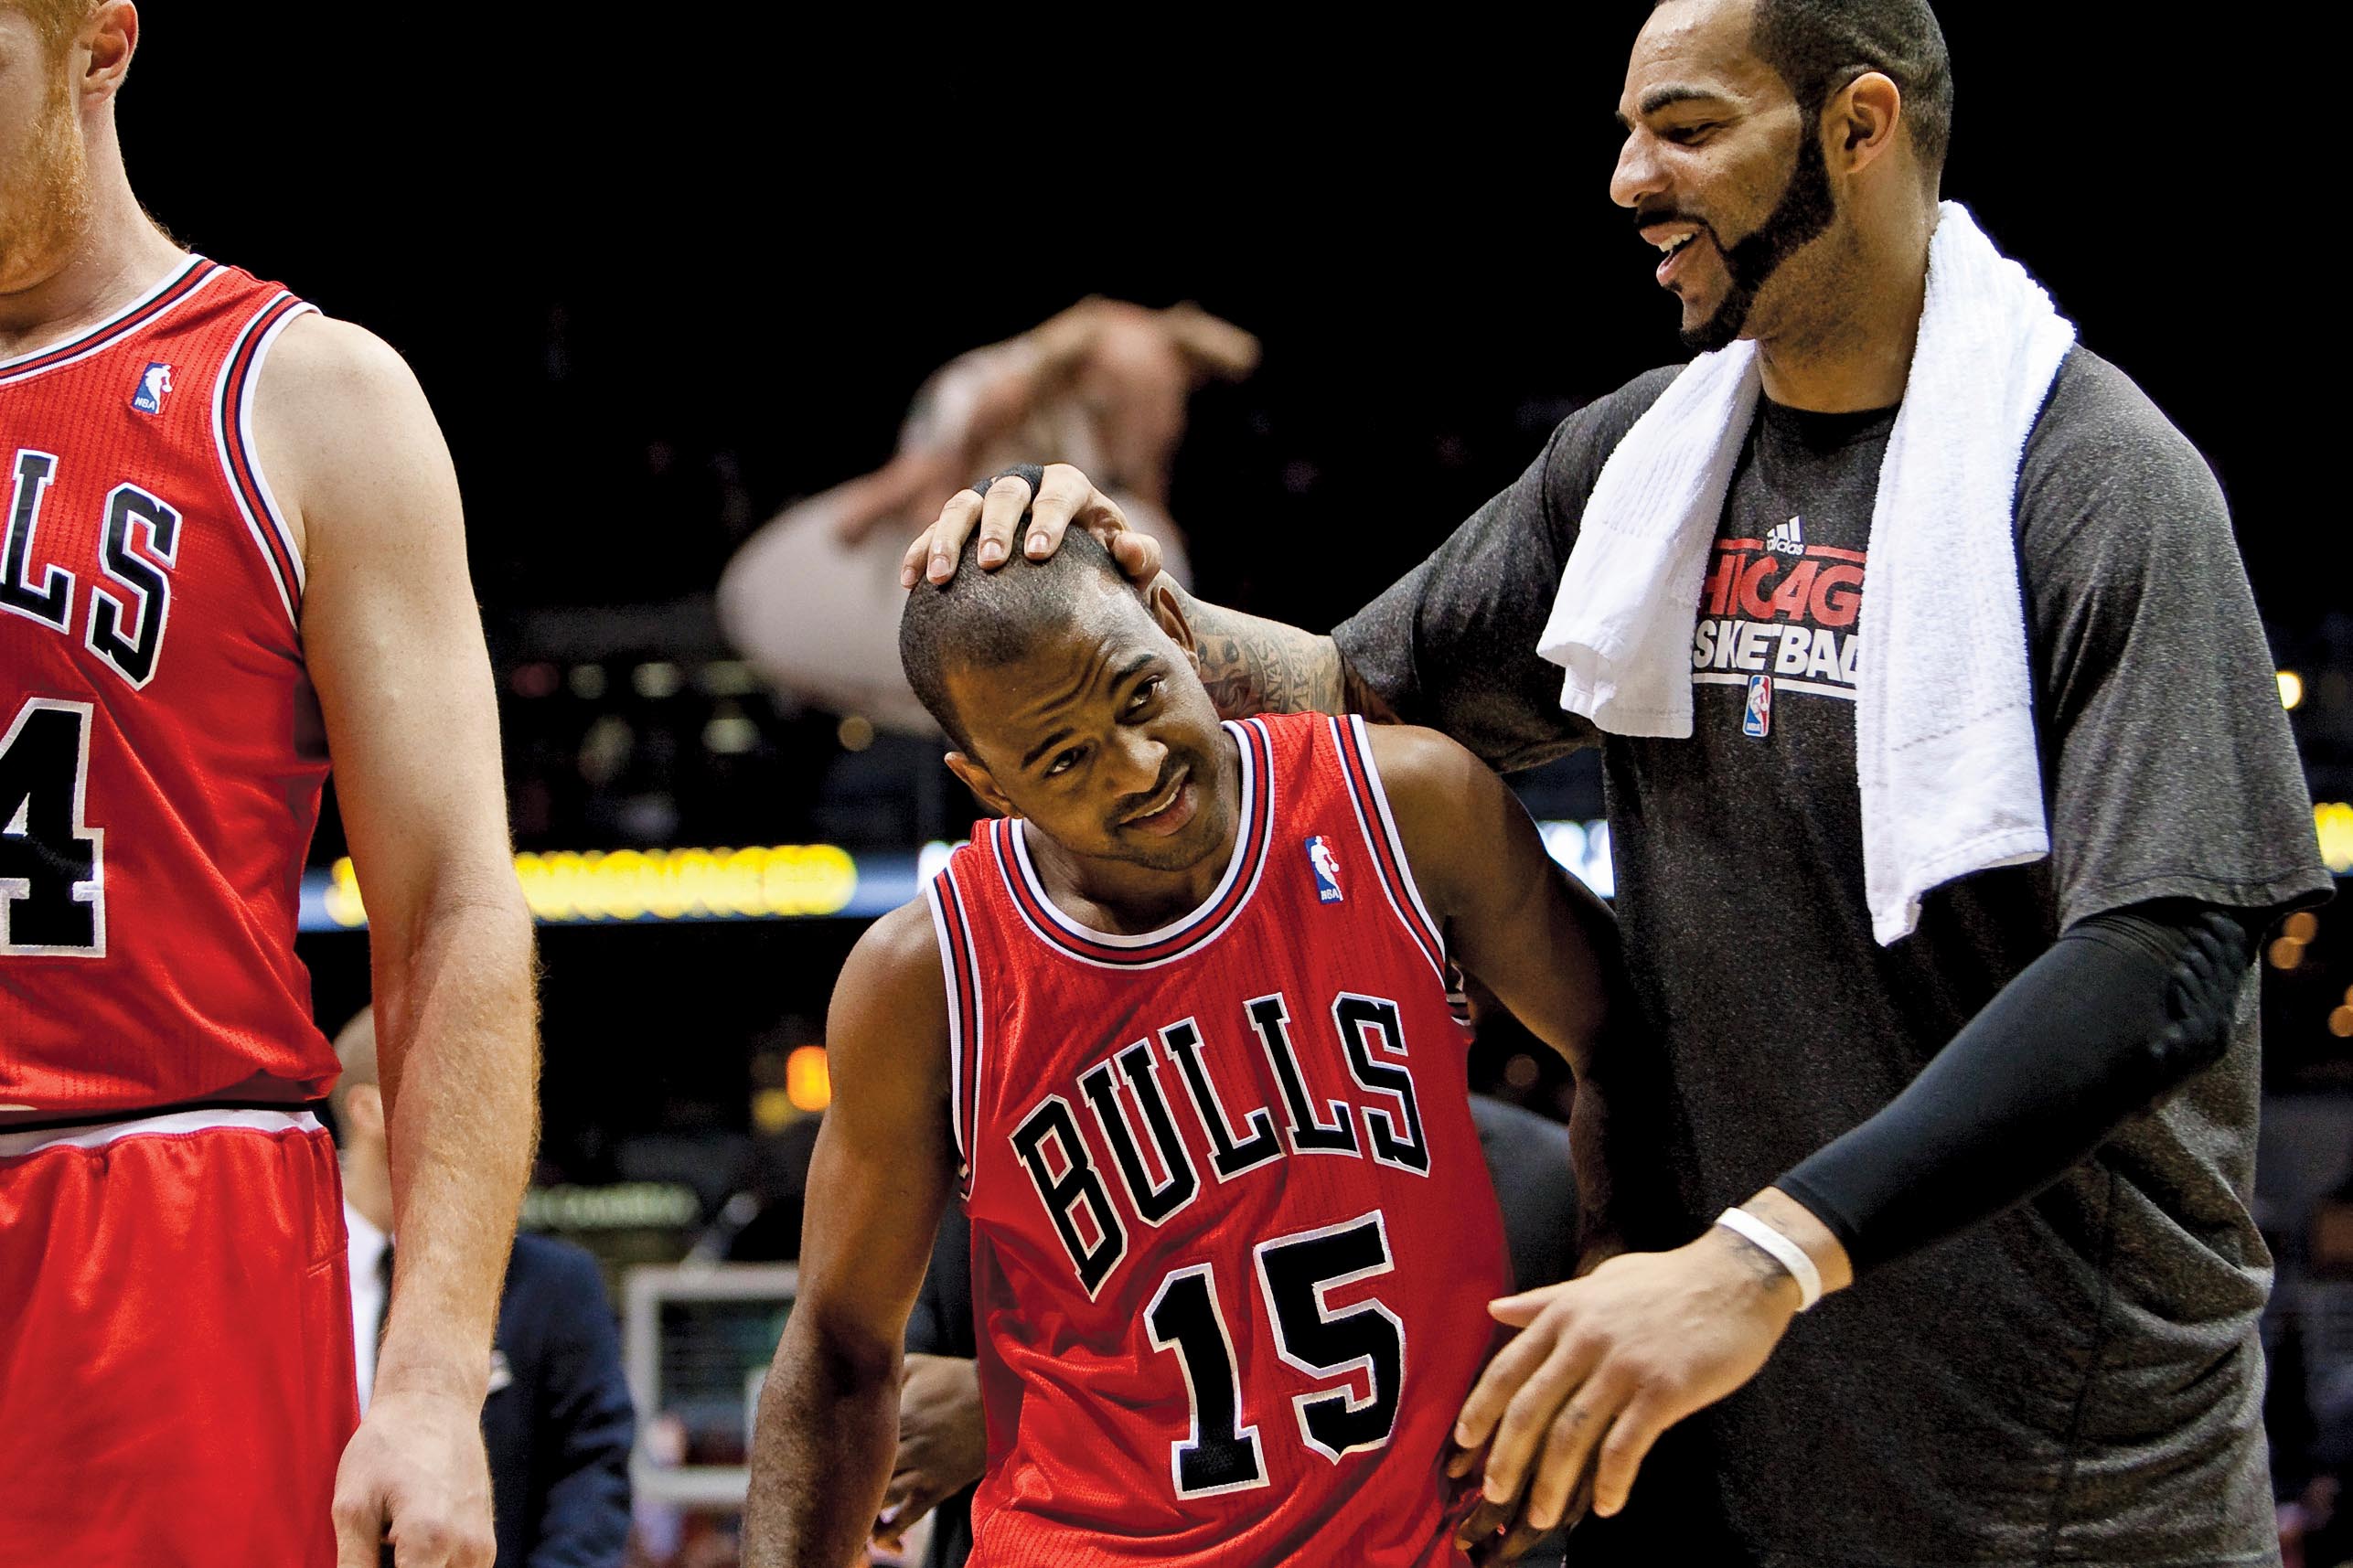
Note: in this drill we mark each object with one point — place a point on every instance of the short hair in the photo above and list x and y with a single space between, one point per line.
983 620
1820 45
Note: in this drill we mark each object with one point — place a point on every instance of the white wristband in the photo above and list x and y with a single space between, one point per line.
1784 1252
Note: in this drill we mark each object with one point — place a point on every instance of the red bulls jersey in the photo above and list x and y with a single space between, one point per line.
160 750
1232 1238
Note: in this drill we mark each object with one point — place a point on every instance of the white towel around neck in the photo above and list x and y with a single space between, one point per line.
1944 740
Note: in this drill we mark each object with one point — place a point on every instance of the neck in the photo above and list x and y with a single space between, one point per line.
116 255
1861 356
1127 899
367 1186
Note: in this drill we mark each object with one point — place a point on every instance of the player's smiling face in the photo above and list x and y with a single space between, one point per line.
1715 167
1102 736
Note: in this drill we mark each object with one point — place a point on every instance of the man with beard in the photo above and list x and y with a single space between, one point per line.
233 544
1945 941
1176 1024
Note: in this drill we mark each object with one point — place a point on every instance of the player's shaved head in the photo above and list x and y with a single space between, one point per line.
986 620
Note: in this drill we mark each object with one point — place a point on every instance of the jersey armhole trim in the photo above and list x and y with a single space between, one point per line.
962 972
1371 804
232 433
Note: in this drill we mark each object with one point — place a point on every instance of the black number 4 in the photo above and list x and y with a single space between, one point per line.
1296 1275
52 866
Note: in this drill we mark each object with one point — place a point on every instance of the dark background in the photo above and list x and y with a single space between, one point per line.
662 275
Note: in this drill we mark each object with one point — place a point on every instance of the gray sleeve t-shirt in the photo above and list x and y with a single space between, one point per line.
2079 1374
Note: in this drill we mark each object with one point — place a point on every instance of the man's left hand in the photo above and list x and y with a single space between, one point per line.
1606 1363
417 1466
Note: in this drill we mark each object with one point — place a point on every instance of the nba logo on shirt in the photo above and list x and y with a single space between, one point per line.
1326 867
153 383
1758 720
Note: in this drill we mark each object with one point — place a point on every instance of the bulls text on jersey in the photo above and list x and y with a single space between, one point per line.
1129 1103
139 544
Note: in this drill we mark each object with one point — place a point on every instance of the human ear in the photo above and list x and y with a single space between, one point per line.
1166 610
110 35
1862 120
982 784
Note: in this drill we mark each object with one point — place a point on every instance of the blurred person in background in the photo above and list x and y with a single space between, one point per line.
558 1422
813 599
235 547
943 1432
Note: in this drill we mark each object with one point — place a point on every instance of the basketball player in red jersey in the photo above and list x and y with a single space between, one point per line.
1176 1025
231 544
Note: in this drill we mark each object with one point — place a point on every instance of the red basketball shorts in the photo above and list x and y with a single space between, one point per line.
175 1354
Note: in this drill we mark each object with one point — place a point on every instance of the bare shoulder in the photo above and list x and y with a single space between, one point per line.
1421 766
890 999
898 952
1450 807
340 421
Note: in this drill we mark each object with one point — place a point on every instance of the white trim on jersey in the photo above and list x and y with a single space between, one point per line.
289 594
103 336
1425 931
172 1124
956 1018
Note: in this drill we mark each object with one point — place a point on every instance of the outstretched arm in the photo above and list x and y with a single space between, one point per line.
393 643
828 1417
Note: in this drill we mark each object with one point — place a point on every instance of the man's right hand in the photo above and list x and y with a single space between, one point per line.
1064 497
942 1441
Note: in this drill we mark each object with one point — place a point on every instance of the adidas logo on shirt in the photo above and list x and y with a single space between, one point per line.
1789 539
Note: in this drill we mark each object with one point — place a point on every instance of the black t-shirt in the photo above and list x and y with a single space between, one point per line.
2077 1380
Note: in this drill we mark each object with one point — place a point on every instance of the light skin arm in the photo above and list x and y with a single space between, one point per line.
393 645
1250 665
829 1421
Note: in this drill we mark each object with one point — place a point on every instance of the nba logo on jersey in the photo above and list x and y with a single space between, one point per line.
1758 720
154 382
1326 867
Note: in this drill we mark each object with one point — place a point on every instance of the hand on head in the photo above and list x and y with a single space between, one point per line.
1065 496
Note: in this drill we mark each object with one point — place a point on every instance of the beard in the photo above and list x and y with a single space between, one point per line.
45 193
1802 214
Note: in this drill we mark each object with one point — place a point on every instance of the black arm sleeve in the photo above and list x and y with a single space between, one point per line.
2124 1008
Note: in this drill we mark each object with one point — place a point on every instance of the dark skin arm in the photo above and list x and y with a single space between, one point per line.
1547 948
883 1167
1539 940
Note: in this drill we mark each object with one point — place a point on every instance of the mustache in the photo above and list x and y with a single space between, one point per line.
1133 804
1646 216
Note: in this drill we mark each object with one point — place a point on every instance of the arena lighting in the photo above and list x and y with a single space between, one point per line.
807 1080
2334 819
793 881
2291 689
623 886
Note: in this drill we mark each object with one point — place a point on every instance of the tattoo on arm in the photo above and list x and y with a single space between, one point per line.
1251 664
